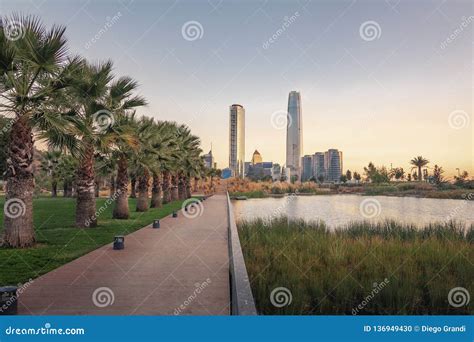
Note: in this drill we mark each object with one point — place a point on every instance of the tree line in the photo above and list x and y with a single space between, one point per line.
86 116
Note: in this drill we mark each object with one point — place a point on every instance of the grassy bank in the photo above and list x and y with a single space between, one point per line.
249 189
249 194
60 242
412 189
379 190
337 272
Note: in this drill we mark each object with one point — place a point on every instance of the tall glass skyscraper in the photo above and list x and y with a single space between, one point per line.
319 168
237 140
307 165
294 134
333 165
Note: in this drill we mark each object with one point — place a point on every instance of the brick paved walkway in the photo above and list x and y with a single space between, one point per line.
181 268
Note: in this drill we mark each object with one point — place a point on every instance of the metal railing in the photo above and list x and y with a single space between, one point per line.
242 301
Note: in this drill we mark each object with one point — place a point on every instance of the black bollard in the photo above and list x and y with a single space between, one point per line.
119 242
175 214
156 224
8 300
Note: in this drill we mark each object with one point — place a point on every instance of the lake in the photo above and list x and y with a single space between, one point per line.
337 210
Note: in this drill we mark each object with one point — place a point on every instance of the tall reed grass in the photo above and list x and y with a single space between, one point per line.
331 271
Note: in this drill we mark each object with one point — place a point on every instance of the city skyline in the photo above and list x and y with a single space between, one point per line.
384 99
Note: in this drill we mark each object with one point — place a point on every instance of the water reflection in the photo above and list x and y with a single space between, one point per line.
338 210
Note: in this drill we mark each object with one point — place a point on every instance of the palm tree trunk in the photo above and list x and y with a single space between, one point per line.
112 187
121 201
142 201
188 187
85 189
174 188
67 189
54 188
181 187
133 186
166 187
97 188
74 189
156 192
196 184
420 177
18 209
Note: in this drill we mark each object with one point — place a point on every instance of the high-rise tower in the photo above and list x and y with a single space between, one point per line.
237 140
294 134
333 165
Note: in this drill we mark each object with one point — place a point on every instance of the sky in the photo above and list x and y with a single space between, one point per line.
383 81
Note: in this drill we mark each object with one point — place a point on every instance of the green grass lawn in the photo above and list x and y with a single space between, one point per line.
59 241
332 273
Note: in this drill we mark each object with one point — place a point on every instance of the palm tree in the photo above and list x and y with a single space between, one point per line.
105 165
200 173
87 102
419 162
50 165
123 154
163 146
122 140
144 162
169 165
67 166
96 102
32 70
212 173
188 160
165 184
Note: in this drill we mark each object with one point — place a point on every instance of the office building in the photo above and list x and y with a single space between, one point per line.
333 165
294 134
237 140
208 160
319 169
307 163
